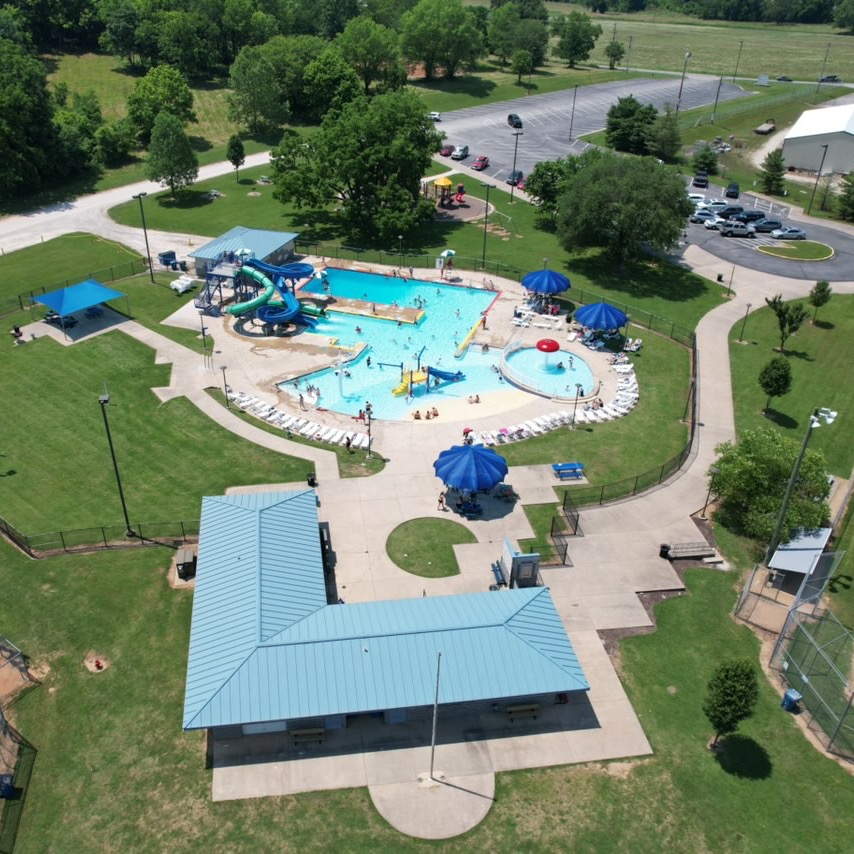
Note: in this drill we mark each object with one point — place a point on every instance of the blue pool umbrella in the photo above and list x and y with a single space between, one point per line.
546 282
600 315
470 467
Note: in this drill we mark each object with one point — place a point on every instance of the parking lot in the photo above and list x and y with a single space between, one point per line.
547 119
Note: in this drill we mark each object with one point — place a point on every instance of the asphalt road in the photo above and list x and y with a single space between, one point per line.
548 119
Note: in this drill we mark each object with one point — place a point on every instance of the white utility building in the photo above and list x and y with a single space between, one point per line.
832 127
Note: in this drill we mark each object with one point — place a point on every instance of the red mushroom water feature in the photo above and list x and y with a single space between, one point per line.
547 346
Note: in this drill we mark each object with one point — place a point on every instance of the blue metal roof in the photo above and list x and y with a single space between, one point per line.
78 297
296 657
263 243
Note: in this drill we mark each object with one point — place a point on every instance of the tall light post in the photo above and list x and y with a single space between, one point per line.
817 178
225 386
140 197
435 716
204 331
744 322
517 134
485 222
682 82
369 414
818 415
104 400
823 67
717 95
572 115
400 247
737 61
713 471
578 388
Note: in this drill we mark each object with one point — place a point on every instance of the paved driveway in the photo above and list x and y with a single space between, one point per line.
547 118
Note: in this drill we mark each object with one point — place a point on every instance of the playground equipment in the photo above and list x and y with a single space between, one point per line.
412 378
460 197
289 308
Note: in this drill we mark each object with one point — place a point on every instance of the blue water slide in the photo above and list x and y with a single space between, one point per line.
453 377
291 272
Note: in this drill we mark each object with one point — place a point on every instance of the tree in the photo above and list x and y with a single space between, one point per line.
368 47
846 198
614 53
624 204
629 124
548 179
236 154
843 15
330 82
533 36
577 35
502 31
773 172
819 296
775 379
171 159
120 22
164 88
368 160
114 142
706 160
291 56
257 97
664 138
751 481
732 694
790 317
521 63
186 41
440 34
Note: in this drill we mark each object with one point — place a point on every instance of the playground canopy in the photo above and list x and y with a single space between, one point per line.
546 282
470 467
600 315
78 297
443 182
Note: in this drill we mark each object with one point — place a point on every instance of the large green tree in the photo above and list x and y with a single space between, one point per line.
751 481
502 31
846 198
773 173
549 178
163 89
236 154
614 51
843 15
368 160
732 694
171 159
629 124
577 35
624 204
257 97
819 296
664 139
440 34
369 47
330 82
775 379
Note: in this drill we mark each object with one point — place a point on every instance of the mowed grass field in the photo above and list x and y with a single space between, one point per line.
114 771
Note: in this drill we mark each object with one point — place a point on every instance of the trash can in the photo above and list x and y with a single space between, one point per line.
664 550
790 700
311 480
7 786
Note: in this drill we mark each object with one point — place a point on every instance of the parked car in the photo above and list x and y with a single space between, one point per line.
436 117
713 224
716 206
446 150
789 232
514 121
767 225
702 216
731 228
749 216
729 211
829 78
732 190
701 180
515 177
522 184
783 78
460 152
480 163
696 198
709 202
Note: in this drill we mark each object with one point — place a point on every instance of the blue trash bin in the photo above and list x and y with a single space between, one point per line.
790 700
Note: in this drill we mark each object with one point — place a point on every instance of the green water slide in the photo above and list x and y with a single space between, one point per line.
262 299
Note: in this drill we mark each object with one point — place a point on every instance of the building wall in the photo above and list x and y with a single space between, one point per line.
806 153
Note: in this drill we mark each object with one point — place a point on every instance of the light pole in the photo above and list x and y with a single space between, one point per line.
141 196
713 471
578 388
823 66
485 222
225 386
737 61
717 95
572 114
204 331
818 415
369 413
682 82
104 400
744 322
817 178
517 134
400 247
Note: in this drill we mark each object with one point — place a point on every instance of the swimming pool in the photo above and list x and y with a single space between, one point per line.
553 374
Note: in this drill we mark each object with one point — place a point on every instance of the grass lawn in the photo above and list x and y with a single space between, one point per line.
425 546
820 357
841 587
114 741
799 250
55 453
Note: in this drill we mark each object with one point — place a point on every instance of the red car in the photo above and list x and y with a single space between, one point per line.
521 184
446 150
480 163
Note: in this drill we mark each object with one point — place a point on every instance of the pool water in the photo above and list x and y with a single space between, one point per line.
554 375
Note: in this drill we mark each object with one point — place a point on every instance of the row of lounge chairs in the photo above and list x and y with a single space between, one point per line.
295 424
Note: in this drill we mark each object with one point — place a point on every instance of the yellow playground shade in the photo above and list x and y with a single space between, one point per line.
442 182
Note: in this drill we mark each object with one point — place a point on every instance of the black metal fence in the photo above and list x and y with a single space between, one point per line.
23 301
12 808
101 537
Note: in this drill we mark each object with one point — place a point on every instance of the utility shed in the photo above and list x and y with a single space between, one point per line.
273 247
831 126
267 653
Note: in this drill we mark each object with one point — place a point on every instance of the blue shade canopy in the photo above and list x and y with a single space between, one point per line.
546 282
78 297
470 467
600 315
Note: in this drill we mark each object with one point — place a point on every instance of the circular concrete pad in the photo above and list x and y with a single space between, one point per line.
435 809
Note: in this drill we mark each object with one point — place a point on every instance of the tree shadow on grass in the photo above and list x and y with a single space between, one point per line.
185 200
642 278
781 419
799 354
199 143
743 757
472 85
824 324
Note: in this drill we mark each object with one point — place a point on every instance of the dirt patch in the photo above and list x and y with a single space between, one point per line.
96 662
254 194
